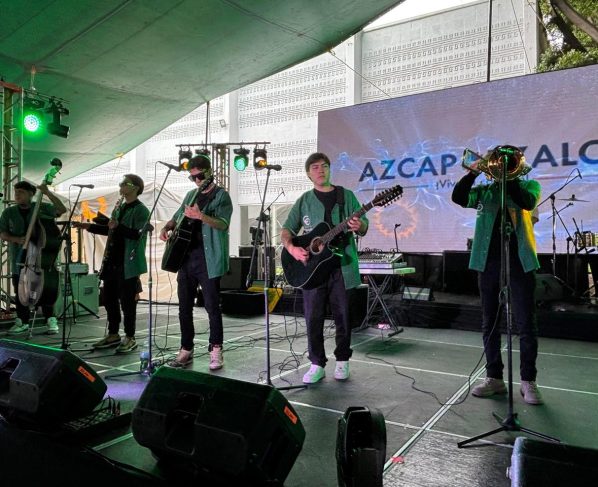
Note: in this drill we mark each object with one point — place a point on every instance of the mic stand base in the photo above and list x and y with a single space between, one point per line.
510 423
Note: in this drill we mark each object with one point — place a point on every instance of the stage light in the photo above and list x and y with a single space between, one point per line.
184 157
241 158
260 158
56 127
203 152
33 116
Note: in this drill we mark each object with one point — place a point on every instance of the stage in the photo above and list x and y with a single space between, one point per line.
410 378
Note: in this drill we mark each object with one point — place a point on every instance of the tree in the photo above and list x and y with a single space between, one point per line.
571 35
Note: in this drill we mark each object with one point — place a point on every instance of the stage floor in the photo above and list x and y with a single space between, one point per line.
413 378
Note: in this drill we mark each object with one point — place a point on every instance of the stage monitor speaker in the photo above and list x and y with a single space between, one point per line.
535 462
46 384
549 288
360 448
240 432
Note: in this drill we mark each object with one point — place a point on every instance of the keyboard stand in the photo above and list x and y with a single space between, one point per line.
375 294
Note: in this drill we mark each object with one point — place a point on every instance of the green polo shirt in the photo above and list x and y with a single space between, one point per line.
486 199
308 211
11 221
215 242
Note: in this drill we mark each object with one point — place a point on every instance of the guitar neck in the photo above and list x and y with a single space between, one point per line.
342 227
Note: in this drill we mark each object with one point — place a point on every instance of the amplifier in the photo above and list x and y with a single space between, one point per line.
75 268
85 291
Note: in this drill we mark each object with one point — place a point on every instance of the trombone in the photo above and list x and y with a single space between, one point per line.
502 156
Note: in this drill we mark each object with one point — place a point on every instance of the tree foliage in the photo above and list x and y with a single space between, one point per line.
571 35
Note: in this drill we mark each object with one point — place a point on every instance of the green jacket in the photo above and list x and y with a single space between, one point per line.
12 222
134 218
215 242
308 211
486 198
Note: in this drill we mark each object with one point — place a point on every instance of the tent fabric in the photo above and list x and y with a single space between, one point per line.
129 68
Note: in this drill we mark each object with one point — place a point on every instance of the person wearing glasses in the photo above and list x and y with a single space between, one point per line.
124 261
206 261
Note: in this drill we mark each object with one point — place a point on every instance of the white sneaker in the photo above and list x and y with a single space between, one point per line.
52 325
341 371
216 358
314 374
18 328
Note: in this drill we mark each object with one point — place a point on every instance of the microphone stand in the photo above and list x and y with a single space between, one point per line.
262 219
511 421
68 284
551 197
147 366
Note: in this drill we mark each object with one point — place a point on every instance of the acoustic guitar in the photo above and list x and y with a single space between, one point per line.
323 255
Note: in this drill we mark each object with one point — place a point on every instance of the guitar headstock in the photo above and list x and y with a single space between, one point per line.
387 196
53 171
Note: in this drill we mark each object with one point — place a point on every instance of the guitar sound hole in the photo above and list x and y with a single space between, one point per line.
316 246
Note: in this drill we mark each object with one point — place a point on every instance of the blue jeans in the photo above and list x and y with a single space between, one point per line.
194 273
314 307
523 312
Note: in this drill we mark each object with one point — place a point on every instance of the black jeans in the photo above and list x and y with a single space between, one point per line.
194 272
314 307
120 293
23 311
523 310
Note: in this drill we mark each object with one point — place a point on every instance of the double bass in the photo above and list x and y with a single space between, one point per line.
38 279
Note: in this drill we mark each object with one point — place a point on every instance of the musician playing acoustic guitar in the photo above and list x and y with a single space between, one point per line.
124 261
331 204
206 261
14 222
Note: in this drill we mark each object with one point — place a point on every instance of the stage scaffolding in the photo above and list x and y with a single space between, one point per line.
11 139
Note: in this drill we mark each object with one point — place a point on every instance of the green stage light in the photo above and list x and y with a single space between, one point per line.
241 160
33 116
32 122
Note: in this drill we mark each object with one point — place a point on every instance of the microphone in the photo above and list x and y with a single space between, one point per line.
397 225
579 173
88 186
261 164
171 166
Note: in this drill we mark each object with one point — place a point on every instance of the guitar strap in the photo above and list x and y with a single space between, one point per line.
340 201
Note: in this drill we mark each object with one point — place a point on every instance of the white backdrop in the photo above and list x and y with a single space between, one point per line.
417 141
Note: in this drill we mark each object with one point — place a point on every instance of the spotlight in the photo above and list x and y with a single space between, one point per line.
241 158
33 117
260 158
184 157
56 127
202 152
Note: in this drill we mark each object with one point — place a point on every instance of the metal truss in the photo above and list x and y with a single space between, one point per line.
11 141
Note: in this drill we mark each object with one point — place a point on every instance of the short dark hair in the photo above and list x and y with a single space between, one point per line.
137 181
27 186
200 161
315 157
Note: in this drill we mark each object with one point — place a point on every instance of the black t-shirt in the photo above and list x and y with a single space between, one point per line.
202 201
328 199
